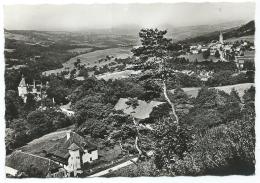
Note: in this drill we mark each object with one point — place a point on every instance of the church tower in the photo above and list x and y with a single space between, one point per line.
22 88
221 40
34 90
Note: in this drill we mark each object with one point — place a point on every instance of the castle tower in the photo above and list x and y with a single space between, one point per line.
221 40
22 88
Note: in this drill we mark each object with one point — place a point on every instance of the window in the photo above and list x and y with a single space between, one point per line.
90 159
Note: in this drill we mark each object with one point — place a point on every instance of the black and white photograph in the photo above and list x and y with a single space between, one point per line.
129 89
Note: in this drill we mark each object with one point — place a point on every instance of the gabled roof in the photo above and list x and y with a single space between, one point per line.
36 165
142 111
73 147
61 147
22 82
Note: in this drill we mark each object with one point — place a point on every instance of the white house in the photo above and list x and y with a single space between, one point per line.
72 152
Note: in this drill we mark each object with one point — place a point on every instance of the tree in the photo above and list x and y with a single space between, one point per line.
170 144
206 54
77 63
58 91
11 108
217 54
221 78
20 132
30 104
153 53
249 66
96 128
38 123
83 72
91 107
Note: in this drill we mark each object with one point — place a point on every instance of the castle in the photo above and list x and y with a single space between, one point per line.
37 90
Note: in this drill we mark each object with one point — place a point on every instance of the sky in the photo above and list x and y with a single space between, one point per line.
98 16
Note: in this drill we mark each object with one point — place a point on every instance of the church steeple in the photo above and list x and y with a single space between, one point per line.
221 38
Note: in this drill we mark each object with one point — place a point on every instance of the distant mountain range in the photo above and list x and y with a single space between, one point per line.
189 34
176 33
238 31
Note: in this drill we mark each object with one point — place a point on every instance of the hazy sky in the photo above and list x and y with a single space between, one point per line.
82 17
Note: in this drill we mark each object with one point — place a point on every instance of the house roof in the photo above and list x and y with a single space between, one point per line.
61 147
142 111
25 162
73 147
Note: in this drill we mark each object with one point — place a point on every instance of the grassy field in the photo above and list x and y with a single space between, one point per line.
199 57
118 75
91 59
80 50
142 111
16 36
240 88
250 38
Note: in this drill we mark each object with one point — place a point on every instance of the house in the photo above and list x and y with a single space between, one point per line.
194 51
67 149
204 48
24 89
241 60
20 164
72 152
141 111
67 110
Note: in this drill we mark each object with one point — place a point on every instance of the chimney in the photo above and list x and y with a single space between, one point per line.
68 134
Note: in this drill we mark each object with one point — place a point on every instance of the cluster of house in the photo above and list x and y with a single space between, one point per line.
213 46
65 157
227 51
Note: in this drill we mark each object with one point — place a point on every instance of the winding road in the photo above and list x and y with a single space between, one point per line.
109 170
